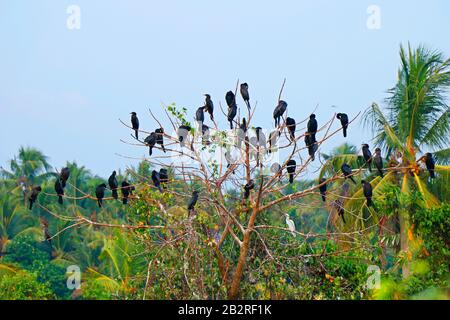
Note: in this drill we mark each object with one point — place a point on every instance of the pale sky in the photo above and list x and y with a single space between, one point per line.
63 91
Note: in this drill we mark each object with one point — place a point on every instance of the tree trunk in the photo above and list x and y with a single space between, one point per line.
235 283
404 241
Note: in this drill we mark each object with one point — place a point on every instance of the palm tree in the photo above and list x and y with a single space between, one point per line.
29 166
345 153
14 219
417 108
122 265
417 121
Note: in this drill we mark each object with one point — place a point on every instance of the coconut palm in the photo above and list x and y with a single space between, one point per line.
417 108
345 153
417 122
122 265
30 164
14 219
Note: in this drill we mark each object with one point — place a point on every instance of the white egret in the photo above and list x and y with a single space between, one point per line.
291 225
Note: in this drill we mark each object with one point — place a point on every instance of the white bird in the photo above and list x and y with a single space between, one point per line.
290 224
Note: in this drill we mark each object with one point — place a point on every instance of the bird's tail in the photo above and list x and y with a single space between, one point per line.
150 151
324 199
370 166
351 178
99 201
344 131
124 200
381 172
181 139
163 148
114 194
136 133
248 104
291 178
311 153
231 124
63 184
246 194
369 202
342 216
31 205
60 199
432 175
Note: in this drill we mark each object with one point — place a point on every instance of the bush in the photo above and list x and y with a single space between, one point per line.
23 286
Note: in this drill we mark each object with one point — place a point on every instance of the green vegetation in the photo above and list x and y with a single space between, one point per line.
154 248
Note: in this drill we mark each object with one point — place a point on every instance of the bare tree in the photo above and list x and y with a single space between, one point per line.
213 161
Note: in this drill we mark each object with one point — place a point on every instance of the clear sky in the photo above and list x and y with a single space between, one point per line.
63 90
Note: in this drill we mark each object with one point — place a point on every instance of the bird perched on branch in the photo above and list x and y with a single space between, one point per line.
230 99
150 141
231 115
248 186
347 171
160 138
339 206
273 139
164 176
311 145
200 116
113 184
59 190
312 126
100 193
64 176
344 122
193 201
290 224
229 159
156 180
205 135
378 161
258 143
135 124
33 196
260 137
367 190
126 191
290 124
278 112
209 106
367 155
232 107
241 132
47 235
245 95
429 163
323 189
290 167
182 133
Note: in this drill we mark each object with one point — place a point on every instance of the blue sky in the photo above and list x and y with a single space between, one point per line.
63 90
